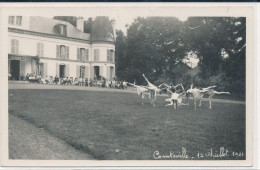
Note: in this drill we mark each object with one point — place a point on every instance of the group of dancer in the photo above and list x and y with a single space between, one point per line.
176 93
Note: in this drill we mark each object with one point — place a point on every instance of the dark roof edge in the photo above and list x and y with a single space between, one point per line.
16 30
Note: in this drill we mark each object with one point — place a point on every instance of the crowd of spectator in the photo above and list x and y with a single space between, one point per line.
78 81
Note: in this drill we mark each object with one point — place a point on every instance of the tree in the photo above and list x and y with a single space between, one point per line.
120 55
219 43
154 47
101 28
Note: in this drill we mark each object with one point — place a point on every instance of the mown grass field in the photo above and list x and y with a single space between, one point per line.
115 126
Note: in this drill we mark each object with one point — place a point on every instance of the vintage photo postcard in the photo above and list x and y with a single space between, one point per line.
87 84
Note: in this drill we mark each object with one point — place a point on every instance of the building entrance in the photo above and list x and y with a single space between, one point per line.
62 71
96 71
15 69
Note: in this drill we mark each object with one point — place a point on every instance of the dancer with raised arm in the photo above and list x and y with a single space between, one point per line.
152 91
198 94
140 90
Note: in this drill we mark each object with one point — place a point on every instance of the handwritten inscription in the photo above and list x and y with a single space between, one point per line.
223 152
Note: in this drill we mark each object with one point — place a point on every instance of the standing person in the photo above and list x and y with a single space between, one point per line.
86 81
56 79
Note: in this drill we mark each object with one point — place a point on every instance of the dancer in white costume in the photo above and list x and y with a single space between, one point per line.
198 94
140 90
152 91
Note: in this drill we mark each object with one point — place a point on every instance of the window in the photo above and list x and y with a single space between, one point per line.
82 54
14 46
62 52
19 20
11 20
40 49
96 55
87 55
63 29
110 55
82 72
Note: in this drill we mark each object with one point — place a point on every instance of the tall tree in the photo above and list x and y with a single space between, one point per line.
101 28
154 47
120 55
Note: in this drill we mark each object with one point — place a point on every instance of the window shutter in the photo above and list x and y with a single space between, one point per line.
22 65
45 72
97 55
112 72
58 69
86 53
78 54
101 70
108 55
107 75
38 49
83 54
87 72
12 47
58 51
17 47
42 49
77 71
91 72
67 52
67 70
113 56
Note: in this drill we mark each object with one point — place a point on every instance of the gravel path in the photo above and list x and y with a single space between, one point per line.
29 142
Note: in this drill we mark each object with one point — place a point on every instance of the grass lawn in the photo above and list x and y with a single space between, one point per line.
109 125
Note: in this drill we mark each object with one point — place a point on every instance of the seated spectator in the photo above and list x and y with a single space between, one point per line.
51 79
71 80
27 77
80 81
56 79
76 83
22 77
47 80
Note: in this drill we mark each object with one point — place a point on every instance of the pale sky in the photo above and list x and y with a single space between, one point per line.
123 20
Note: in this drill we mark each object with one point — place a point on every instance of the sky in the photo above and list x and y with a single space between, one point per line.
122 20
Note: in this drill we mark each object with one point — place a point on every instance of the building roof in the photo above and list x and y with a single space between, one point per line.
47 25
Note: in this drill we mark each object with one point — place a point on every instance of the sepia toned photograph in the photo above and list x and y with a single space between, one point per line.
101 85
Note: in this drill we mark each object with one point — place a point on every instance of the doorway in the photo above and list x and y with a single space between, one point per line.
96 71
15 69
62 71
111 73
41 69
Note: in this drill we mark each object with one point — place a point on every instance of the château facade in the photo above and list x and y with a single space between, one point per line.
49 47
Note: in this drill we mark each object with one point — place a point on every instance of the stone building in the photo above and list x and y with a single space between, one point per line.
50 47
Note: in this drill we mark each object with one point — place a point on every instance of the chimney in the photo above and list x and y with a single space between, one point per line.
80 24
113 23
